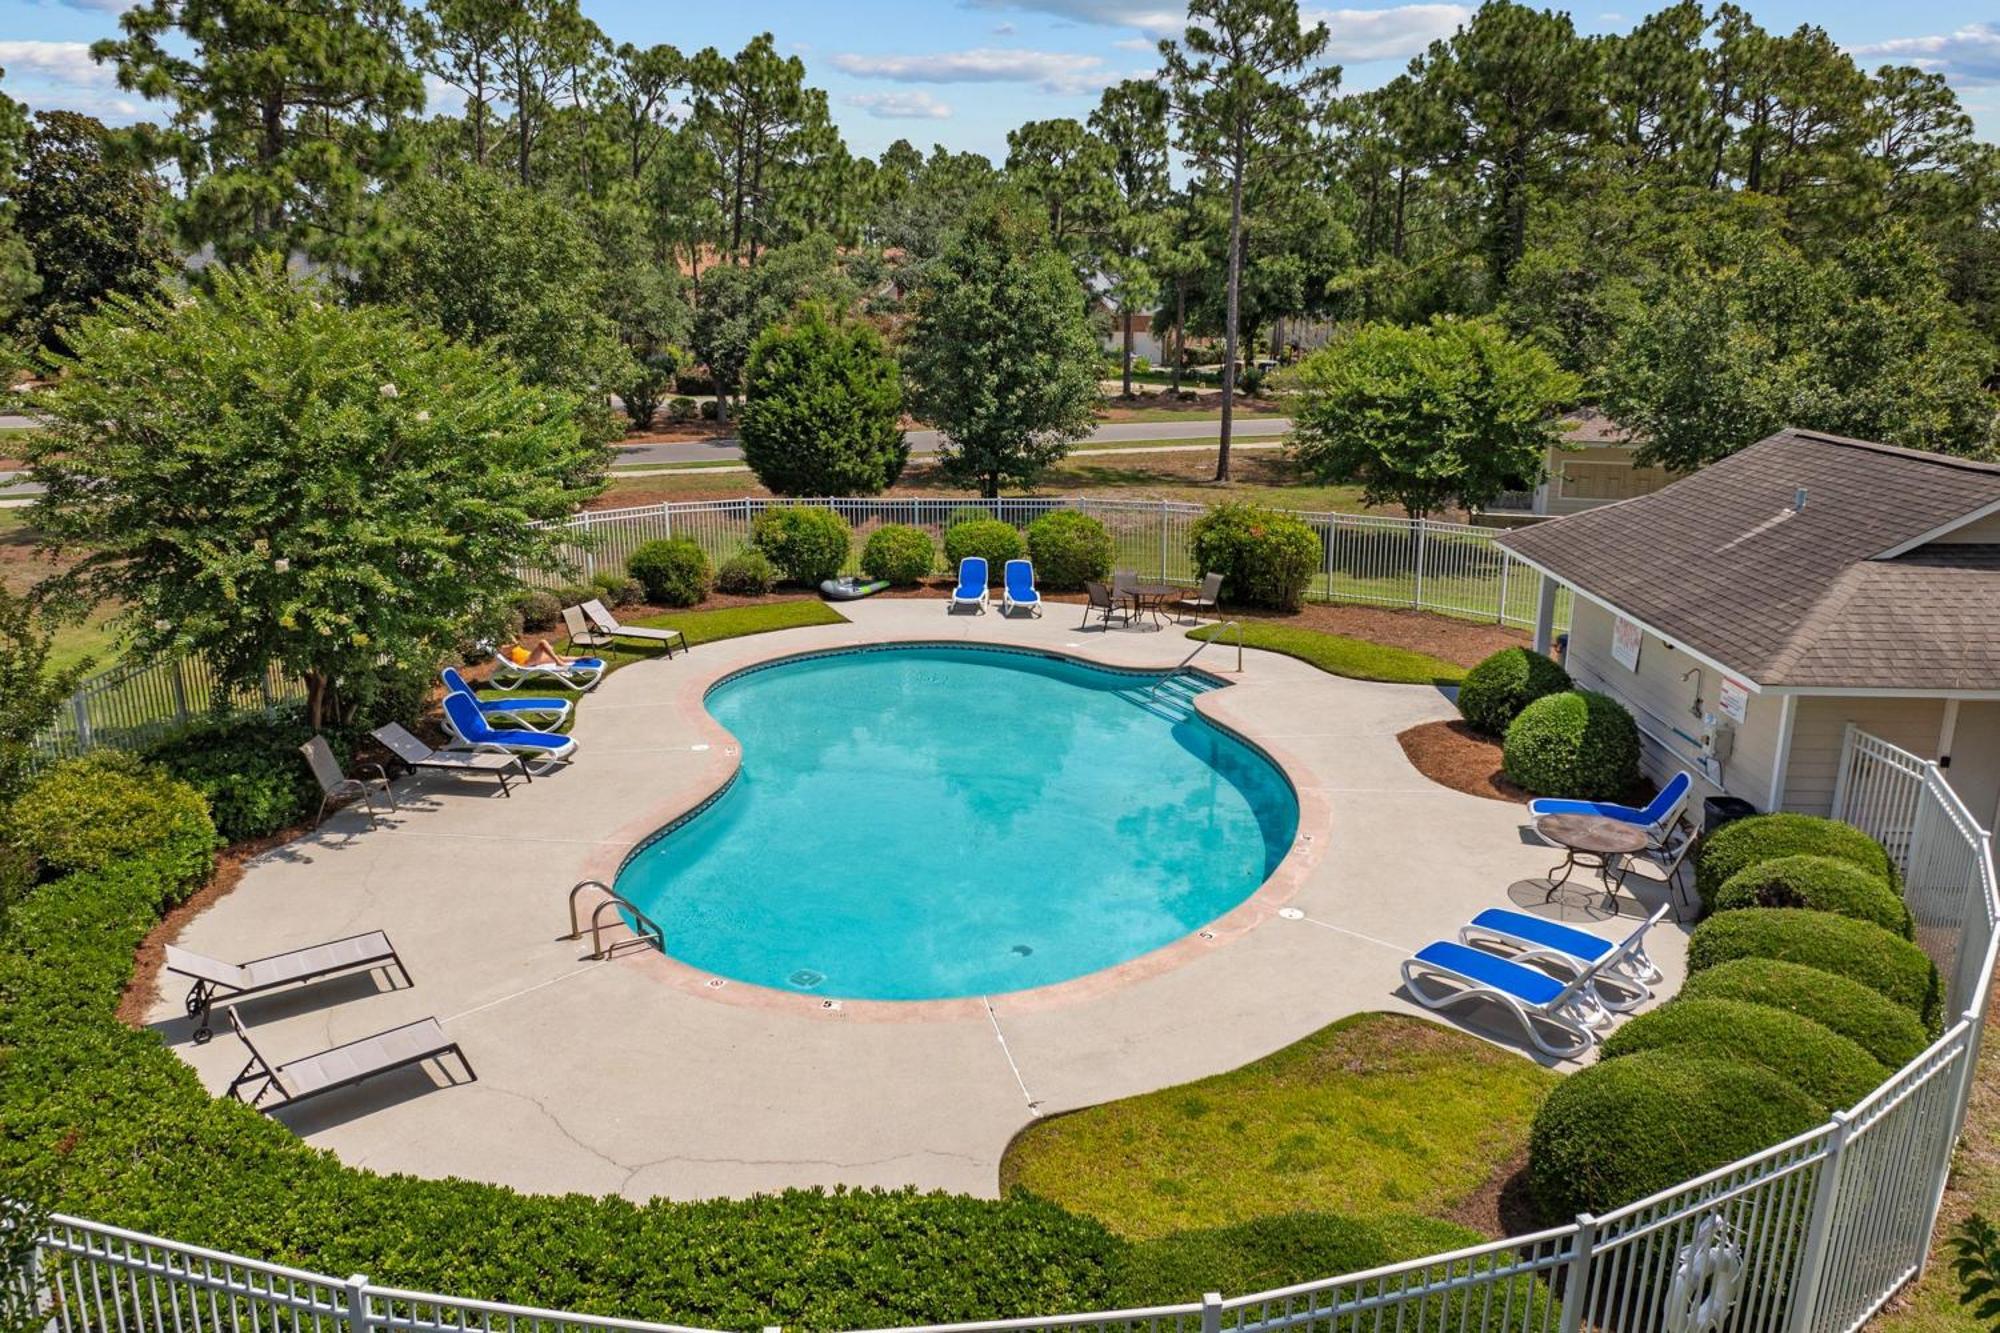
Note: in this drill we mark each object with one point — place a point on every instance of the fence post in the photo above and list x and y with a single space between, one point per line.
1826 1196
79 708
1163 541
1211 1312
1506 565
1417 599
180 692
1840 774
357 1304
1576 1277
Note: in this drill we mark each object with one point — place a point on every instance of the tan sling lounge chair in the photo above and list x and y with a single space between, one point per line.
214 979
339 1066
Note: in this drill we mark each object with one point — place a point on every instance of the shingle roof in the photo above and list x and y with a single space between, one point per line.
1719 561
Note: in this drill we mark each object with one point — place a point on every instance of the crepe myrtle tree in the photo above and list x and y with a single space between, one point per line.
267 477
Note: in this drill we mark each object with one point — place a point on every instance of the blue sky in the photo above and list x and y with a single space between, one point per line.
962 72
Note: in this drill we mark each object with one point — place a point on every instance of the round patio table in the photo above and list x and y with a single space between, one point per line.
1152 597
1594 842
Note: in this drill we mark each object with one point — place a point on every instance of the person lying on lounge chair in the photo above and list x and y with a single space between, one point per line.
542 653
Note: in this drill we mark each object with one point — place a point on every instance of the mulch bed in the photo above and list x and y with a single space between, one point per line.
1453 755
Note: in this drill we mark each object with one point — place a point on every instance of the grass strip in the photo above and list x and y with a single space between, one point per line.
1338 655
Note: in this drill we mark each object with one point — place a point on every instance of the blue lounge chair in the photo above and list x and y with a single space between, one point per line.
470 730
1624 971
1570 1009
971 589
1020 589
516 711
1669 836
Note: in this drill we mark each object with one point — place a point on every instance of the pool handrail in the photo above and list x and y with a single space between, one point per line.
1213 638
643 925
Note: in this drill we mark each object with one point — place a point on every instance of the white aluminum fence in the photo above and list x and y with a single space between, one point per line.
1812 1235
131 705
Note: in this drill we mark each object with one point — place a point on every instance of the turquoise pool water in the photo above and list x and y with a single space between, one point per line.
932 822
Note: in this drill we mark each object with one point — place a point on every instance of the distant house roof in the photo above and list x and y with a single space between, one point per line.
1587 425
1844 592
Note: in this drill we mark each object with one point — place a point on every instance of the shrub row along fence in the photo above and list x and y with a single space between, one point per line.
134 704
1812 1235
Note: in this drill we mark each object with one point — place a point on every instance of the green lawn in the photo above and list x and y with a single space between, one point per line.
1357 659
1375 1115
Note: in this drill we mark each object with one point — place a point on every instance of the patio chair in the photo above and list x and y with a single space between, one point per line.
335 785
214 979
521 710
413 754
1669 833
1624 971
606 623
1537 1000
971 589
581 635
539 751
1098 601
1204 598
581 674
1020 589
339 1066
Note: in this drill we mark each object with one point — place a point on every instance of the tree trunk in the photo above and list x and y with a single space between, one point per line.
1126 318
316 690
1180 332
1235 305
521 134
989 486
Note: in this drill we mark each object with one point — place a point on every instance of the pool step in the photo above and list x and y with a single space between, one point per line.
1174 697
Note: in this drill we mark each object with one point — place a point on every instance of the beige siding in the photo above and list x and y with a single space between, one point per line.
1597 475
1819 725
1975 759
1985 532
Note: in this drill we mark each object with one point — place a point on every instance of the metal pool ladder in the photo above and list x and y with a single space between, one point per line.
1213 638
644 926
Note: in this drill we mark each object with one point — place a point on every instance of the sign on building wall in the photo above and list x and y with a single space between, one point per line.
1625 639
1733 699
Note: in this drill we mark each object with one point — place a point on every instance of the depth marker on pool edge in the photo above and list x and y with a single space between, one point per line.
1034 1107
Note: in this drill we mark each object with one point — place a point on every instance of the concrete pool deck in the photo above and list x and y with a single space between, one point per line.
635 1075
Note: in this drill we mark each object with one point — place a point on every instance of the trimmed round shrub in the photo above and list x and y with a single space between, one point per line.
1266 558
1275 1251
822 408
249 770
88 814
899 553
1819 1062
538 608
807 543
1857 949
674 572
1494 692
680 409
997 541
748 573
1768 837
1069 549
1822 883
1623 1129
618 589
1578 744
1880 1026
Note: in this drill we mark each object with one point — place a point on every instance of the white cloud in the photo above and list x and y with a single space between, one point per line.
1146 44
102 6
50 76
915 105
1386 34
1969 57
1051 71
55 62
1149 16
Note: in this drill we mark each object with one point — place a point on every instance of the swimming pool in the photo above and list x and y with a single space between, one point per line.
929 822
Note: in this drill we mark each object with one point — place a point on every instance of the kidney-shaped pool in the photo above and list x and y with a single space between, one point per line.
934 821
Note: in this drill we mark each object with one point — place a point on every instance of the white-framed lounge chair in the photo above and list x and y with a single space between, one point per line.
1018 589
1625 974
1669 833
339 1066
470 730
335 785
413 754
605 623
536 714
214 979
971 589
581 675
1570 1010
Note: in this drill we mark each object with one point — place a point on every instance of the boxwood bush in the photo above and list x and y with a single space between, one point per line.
538 608
249 770
1276 1251
673 571
1768 837
808 543
1578 744
1069 549
899 553
1880 1026
618 589
91 813
748 573
1856 949
1494 692
998 542
1625 1128
1819 1062
1266 558
1823 883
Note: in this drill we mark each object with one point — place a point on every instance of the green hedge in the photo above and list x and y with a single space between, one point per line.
1626 1128
808 543
1767 837
249 770
1272 1252
1494 692
673 571
989 538
1577 744
1819 1062
92 813
1883 1028
748 573
1823 883
1265 557
1855 949
899 553
1069 549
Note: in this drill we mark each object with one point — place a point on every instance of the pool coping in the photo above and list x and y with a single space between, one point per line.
723 760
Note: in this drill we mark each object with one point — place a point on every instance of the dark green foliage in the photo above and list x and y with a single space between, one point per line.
1975 1262
681 410
1272 1252
1823 883
1494 692
1883 1028
539 608
807 543
249 770
1266 558
1768 837
1069 548
674 571
748 573
617 589
1857 949
821 411
898 553
997 541
1578 744
1624 1128
1819 1062
91 813
30 692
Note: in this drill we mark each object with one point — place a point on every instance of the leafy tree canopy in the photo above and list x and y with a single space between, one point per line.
822 408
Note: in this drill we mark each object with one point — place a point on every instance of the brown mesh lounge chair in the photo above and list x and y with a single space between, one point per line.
1203 598
606 623
1099 601
214 979
335 785
413 754
581 635
339 1066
